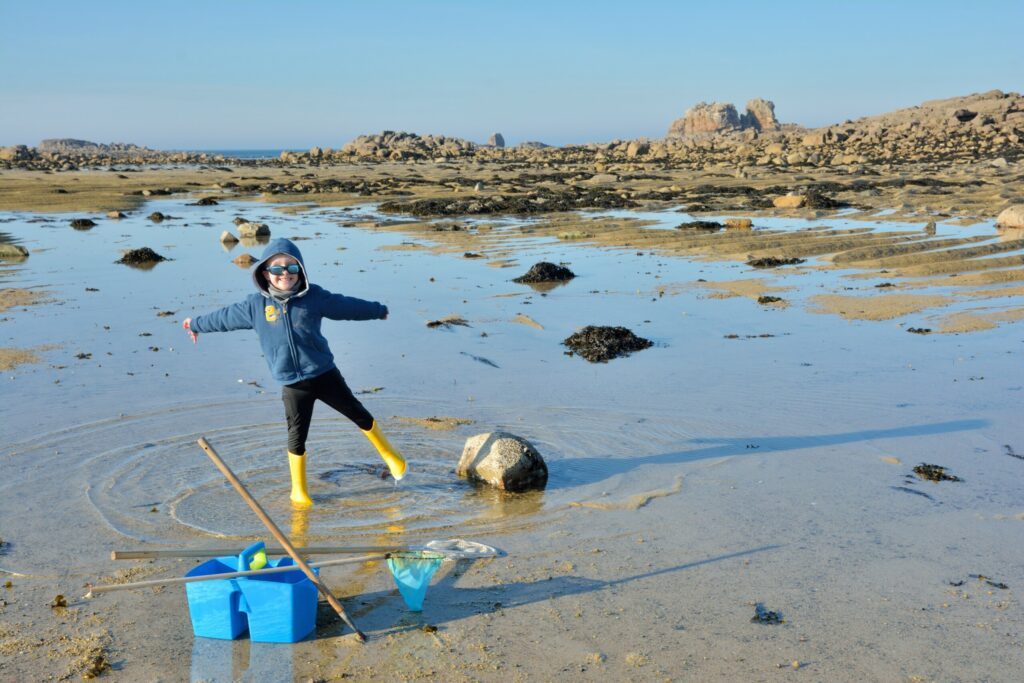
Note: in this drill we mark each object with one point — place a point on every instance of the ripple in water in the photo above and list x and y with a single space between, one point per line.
156 486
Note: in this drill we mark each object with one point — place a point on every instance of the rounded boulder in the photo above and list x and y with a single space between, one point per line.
503 460
1011 217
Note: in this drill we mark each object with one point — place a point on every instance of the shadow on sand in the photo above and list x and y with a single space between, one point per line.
383 613
573 472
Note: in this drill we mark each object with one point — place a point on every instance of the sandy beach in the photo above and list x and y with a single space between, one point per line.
758 458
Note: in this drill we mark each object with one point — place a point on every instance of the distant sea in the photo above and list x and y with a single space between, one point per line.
243 153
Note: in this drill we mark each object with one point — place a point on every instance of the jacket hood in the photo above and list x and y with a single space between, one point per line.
275 247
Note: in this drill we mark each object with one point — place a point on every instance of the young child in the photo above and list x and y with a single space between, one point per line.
286 311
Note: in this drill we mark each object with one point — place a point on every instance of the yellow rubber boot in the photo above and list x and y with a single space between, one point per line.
300 496
393 459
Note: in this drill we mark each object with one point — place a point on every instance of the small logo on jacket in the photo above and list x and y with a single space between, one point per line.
271 313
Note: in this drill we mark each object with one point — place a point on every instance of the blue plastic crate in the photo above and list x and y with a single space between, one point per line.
276 608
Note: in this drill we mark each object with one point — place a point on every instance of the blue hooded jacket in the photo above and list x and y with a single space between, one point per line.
289 331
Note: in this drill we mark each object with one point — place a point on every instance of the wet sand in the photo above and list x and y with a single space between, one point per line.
689 482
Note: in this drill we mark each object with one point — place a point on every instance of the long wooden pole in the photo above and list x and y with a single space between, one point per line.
279 535
271 550
226 575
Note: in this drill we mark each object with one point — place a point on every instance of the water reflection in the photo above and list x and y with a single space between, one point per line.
231 661
494 504
300 527
254 241
1010 234
544 287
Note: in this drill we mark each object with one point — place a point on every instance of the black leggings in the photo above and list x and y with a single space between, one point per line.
330 388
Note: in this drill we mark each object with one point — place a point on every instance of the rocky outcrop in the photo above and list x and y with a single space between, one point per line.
15 153
981 127
496 140
760 116
400 146
716 117
721 117
71 146
503 460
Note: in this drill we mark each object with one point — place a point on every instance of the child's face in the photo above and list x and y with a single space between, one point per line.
285 280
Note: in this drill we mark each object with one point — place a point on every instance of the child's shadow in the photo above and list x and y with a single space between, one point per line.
573 472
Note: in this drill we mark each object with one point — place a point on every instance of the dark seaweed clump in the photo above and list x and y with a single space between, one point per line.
767 299
762 615
82 224
540 201
546 272
709 226
815 199
934 473
134 257
600 344
773 262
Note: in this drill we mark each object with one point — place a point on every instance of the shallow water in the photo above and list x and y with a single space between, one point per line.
716 452
129 415
122 424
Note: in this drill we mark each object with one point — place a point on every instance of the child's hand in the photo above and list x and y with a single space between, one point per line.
187 324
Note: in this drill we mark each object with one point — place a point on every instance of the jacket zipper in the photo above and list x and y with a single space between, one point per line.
291 341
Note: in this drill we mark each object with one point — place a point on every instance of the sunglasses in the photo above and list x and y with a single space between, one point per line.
281 270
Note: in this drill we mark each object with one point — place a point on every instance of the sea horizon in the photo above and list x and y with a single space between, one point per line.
272 153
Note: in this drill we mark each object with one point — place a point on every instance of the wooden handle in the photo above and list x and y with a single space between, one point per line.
281 538
226 575
271 550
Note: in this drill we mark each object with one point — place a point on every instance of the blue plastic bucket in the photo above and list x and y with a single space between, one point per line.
276 608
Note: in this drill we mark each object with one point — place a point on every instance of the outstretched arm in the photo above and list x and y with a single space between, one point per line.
341 307
234 317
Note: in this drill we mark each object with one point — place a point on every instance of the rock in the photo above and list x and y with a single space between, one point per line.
721 117
503 460
788 201
82 224
227 237
760 116
207 201
496 140
115 215
244 260
739 223
15 153
253 230
157 217
12 251
705 118
600 344
546 272
602 179
637 148
1011 217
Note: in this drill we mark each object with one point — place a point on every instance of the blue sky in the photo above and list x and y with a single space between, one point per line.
234 74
